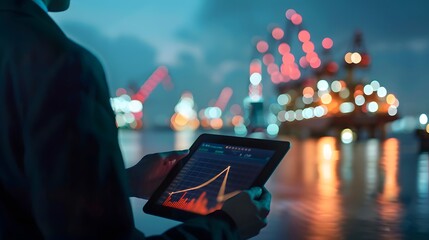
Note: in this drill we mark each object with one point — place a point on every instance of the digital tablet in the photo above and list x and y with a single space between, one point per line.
217 168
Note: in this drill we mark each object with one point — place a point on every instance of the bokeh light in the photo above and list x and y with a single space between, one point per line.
262 46
304 36
423 119
327 43
277 33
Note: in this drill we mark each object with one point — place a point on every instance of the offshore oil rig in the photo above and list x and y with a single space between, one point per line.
316 95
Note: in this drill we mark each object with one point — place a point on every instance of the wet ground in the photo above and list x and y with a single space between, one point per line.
323 189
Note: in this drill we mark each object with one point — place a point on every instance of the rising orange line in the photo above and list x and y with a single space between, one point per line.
221 196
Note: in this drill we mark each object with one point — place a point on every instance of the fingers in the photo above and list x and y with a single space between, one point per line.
173 154
254 192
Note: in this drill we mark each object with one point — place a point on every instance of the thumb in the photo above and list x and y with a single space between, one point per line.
255 192
173 154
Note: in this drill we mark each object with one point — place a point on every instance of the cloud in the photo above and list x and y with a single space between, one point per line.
125 58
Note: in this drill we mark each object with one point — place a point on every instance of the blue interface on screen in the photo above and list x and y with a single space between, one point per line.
215 173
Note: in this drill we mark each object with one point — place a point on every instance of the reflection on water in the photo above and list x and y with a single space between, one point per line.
324 189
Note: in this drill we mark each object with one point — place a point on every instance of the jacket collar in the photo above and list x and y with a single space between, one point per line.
27 7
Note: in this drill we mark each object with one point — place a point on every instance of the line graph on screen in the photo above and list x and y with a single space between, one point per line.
200 204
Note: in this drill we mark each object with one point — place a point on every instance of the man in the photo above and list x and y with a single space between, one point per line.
61 170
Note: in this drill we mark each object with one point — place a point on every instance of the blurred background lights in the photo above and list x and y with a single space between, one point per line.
277 33
284 48
319 111
381 92
296 19
304 36
348 58
356 58
336 86
392 111
373 107
344 93
283 99
322 85
255 78
390 99
359 100
423 119
289 13
262 46
326 98
240 130
375 85
368 90
273 129
347 136
327 43
135 106
347 107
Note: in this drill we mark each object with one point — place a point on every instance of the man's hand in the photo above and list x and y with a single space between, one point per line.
150 171
249 210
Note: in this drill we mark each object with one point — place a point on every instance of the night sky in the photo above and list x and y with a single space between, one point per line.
207 45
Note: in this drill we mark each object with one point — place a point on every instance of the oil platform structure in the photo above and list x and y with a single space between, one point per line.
316 96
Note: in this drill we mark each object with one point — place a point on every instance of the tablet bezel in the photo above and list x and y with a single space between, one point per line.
280 149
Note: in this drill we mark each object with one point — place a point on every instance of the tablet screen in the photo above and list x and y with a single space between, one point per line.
213 174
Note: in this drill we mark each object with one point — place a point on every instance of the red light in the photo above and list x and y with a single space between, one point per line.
276 78
327 43
277 33
304 36
272 68
366 60
268 58
303 62
310 56
284 48
308 47
288 58
120 92
262 46
332 67
295 74
315 62
255 66
296 19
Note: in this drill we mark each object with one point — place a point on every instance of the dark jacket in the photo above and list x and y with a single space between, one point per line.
61 171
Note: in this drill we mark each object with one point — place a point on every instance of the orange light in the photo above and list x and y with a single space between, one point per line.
348 58
237 120
326 98
358 92
216 123
308 92
390 99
